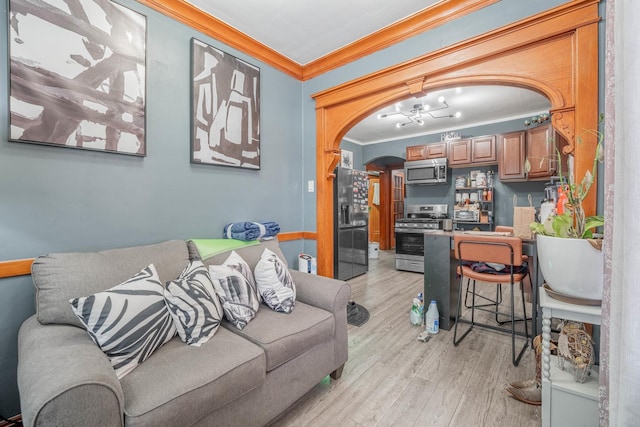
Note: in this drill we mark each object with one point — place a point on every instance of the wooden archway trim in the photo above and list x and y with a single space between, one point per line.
554 53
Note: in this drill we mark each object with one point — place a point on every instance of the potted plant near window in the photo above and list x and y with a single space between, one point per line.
569 250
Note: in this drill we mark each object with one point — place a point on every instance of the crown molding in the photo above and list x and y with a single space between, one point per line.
432 17
195 18
439 14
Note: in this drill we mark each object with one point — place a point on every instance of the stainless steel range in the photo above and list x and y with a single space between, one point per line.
410 234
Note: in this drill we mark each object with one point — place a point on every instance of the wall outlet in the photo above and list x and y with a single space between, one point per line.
311 186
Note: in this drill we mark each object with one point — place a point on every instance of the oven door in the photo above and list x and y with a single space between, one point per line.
410 250
409 242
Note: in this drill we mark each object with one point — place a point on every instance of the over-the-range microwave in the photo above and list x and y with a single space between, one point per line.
424 172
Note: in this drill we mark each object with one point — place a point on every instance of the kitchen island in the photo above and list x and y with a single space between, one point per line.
442 284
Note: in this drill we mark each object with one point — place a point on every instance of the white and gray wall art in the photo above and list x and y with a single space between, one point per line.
77 75
225 109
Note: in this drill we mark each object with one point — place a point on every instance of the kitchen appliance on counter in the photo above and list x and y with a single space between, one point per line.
409 233
424 172
351 223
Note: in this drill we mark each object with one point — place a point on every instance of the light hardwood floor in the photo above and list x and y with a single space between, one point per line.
392 379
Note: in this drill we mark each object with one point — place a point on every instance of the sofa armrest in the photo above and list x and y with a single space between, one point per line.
331 295
65 379
322 292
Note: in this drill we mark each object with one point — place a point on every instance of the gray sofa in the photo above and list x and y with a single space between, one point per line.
238 378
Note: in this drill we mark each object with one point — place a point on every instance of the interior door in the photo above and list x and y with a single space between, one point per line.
374 208
397 203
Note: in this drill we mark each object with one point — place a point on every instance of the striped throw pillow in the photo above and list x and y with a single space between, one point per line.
239 300
275 283
194 305
129 321
234 260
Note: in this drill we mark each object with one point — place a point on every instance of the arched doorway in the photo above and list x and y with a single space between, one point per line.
554 53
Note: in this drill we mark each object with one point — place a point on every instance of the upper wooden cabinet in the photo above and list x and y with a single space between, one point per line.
480 150
459 152
483 149
427 151
537 147
511 156
436 150
416 152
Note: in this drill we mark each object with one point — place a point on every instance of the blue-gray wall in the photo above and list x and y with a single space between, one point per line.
57 199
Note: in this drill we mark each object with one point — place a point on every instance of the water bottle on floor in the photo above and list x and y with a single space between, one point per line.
433 316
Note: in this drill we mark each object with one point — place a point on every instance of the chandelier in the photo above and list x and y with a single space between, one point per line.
419 111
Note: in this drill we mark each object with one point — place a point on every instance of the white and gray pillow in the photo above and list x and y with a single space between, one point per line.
128 321
239 299
193 304
275 283
234 260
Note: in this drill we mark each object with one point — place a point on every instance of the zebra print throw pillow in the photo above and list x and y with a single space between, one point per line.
235 261
275 283
193 304
129 321
239 300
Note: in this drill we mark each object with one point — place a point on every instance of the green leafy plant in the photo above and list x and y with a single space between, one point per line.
573 223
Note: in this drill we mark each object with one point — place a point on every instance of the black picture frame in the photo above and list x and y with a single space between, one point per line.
77 75
225 109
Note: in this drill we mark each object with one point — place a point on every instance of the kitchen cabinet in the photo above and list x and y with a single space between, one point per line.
565 402
426 151
511 156
460 152
475 151
437 150
483 150
416 152
537 147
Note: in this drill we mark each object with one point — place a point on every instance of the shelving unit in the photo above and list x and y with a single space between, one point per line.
483 197
565 402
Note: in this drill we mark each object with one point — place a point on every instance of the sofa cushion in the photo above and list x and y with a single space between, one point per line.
180 384
286 336
129 321
275 284
63 276
193 304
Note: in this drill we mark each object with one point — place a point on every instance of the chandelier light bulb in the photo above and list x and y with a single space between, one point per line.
458 114
441 99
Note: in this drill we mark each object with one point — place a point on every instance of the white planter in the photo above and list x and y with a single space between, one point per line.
571 267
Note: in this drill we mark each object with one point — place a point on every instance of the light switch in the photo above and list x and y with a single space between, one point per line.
311 186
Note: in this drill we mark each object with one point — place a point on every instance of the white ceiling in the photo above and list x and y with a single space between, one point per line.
306 30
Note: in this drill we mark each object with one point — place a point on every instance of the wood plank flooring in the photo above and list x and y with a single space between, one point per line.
392 379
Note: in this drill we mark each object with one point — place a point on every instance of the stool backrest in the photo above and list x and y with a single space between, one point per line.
498 249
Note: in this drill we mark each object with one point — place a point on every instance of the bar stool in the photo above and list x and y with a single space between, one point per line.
472 250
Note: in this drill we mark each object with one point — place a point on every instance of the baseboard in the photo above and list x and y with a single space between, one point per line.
16 420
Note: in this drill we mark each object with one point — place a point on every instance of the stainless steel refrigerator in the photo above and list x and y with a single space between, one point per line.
351 223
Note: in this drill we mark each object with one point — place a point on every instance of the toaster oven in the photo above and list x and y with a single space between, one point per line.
466 215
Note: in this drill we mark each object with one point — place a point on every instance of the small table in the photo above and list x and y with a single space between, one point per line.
565 402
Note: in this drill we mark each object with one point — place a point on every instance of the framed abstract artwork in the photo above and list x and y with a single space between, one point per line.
225 109
77 75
